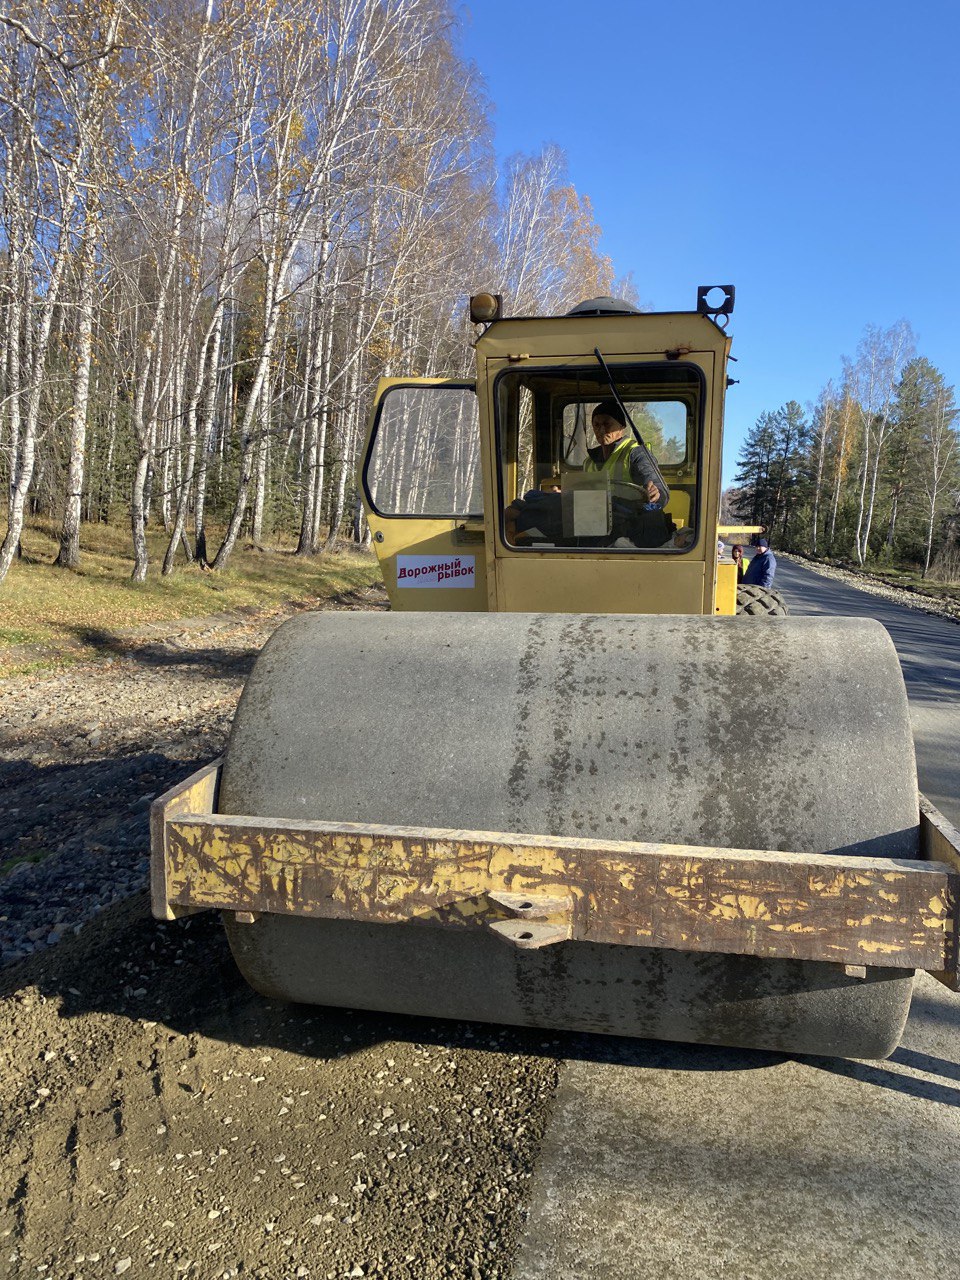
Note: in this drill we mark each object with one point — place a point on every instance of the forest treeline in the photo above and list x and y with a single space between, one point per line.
220 223
871 473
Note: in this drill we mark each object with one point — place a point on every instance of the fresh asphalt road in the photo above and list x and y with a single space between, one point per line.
678 1162
929 649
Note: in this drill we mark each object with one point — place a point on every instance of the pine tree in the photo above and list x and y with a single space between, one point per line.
753 476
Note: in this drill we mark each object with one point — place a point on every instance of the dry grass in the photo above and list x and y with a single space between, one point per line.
47 612
946 567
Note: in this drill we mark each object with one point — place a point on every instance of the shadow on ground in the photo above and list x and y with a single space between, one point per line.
98 805
909 1086
182 975
209 661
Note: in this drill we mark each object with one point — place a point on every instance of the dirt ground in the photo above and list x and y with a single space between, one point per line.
159 1118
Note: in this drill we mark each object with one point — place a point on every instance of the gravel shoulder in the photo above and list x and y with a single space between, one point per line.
83 752
158 1117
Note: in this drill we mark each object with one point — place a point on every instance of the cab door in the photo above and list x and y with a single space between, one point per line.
423 493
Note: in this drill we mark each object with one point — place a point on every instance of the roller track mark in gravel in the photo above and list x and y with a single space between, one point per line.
47 1179
250 1132
14 1222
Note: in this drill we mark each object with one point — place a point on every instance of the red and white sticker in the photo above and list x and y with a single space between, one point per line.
436 571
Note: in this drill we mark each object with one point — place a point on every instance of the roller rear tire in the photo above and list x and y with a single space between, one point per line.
760 602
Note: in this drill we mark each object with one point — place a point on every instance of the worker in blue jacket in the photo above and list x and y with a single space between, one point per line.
763 566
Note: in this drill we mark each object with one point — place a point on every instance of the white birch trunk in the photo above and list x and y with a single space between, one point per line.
69 554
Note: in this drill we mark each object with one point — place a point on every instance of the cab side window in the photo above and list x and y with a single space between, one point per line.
424 455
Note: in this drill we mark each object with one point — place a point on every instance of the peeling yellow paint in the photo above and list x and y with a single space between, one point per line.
878 948
743 906
679 891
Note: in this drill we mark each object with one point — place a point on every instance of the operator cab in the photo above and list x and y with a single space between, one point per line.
496 489
555 494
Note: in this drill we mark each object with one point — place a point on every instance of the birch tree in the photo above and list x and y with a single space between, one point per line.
321 75
220 224
873 378
171 54
824 425
59 57
548 241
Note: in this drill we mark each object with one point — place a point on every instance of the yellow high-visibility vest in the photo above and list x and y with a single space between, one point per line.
617 465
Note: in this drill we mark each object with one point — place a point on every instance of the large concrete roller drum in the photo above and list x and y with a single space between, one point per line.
793 735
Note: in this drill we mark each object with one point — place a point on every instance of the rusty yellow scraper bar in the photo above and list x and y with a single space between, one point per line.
196 794
940 842
535 890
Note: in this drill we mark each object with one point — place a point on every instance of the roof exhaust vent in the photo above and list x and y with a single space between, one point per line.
604 307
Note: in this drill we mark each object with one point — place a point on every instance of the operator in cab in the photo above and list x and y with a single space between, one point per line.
638 490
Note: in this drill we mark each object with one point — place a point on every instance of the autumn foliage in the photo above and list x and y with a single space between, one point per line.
220 223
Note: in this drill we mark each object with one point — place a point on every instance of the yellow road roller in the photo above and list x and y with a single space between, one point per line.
508 798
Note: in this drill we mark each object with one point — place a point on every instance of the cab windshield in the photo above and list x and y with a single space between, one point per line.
573 475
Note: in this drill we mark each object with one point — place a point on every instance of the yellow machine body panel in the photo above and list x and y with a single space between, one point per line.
726 593
456 472
424 561
598 586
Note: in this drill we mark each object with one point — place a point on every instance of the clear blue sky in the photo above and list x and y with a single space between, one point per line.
805 152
